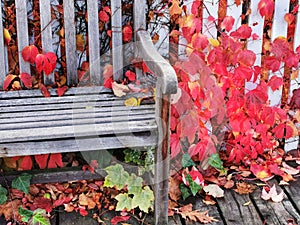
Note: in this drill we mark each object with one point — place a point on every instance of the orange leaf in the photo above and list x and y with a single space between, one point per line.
44 91
8 80
26 79
29 53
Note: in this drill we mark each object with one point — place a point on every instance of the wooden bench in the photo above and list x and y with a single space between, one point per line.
88 118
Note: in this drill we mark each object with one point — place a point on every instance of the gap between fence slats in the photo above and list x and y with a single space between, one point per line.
70 37
236 12
117 48
46 34
2 55
22 33
210 9
94 43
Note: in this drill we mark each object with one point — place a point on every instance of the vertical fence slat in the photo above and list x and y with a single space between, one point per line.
46 35
117 48
94 44
22 33
255 45
234 11
211 9
139 15
2 53
279 28
70 37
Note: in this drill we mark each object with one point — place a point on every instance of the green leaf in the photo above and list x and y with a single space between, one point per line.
185 191
39 218
194 187
22 182
215 161
134 184
116 176
3 193
186 161
144 199
124 202
26 214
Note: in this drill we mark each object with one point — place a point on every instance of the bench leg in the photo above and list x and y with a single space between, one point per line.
162 161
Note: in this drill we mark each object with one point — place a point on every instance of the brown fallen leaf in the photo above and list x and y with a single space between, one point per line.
174 190
244 188
195 215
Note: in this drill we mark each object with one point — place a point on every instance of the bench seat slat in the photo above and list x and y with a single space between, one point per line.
45 133
78 121
74 145
2 55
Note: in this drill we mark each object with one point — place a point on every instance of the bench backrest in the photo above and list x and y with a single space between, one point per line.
93 6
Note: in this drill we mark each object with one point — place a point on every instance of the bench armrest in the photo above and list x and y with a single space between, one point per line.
167 79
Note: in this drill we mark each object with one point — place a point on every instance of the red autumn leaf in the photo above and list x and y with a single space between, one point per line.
175 145
200 41
275 83
46 62
261 172
130 75
119 219
82 211
103 16
85 66
295 100
283 131
8 81
108 83
39 62
42 203
243 32
266 7
195 7
42 160
29 53
60 202
289 18
127 33
227 23
272 63
26 163
246 57
51 57
62 90
44 91
55 160
26 79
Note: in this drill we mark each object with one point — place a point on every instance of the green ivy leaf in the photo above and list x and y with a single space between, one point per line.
186 161
194 187
39 218
22 182
185 191
143 200
3 195
26 214
124 202
116 176
134 184
215 161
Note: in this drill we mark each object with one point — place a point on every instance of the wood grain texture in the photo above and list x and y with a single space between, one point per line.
22 33
94 43
235 213
2 55
46 34
167 79
117 42
293 191
70 37
275 213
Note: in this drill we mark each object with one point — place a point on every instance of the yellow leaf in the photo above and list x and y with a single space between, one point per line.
247 203
131 102
295 74
7 36
214 42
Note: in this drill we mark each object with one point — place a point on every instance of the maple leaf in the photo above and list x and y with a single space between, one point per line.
143 200
55 160
227 23
127 33
244 188
8 80
266 8
118 219
261 172
29 53
272 194
195 215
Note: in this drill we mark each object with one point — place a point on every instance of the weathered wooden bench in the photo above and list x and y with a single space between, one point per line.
88 118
